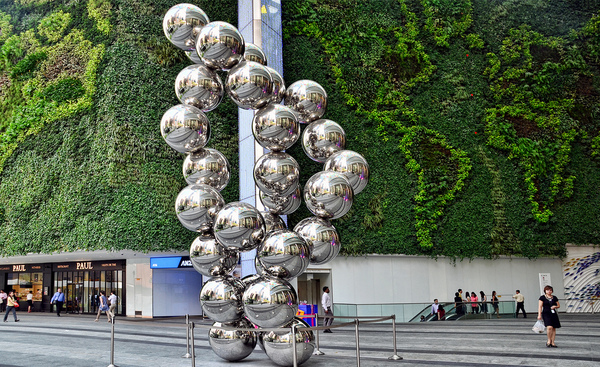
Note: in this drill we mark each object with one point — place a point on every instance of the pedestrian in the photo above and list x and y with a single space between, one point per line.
327 307
520 304
474 304
10 306
59 299
103 306
3 297
466 302
547 307
29 301
434 309
458 304
483 302
112 302
495 303
441 313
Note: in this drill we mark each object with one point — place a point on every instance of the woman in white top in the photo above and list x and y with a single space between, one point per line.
29 301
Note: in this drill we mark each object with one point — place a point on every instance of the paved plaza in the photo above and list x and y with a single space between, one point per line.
42 339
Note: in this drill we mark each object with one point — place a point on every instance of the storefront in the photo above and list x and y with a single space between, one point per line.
80 281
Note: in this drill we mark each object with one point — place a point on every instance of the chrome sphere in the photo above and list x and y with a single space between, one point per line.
255 54
273 222
279 348
284 254
278 86
220 45
322 138
207 166
321 236
182 24
249 279
211 259
270 302
282 205
277 173
250 85
239 226
185 128
328 195
276 127
193 57
308 98
200 87
233 345
353 165
221 299
197 206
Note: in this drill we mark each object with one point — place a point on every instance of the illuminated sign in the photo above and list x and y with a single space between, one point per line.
172 262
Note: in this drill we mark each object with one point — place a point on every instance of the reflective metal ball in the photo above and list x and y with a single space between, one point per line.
221 299
353 165
255 54
273 222
323 238
220 45
284 254
277 173
185 128
270 302
308 98
278 86
182 24
193 57
207 166
233 345
328 195
322 138
197 206
239 226
279 348
200 87
276 127
250 85
211 259
282 205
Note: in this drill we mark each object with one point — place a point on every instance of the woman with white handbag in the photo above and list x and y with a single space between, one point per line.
547 307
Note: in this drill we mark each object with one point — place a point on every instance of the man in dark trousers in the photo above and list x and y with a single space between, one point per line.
327 307
520 304
59 298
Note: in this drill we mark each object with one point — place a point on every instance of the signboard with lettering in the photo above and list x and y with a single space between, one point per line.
22 268
172 262
90 265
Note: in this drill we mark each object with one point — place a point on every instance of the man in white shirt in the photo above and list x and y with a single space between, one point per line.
520 304
112 300
434 309
327 307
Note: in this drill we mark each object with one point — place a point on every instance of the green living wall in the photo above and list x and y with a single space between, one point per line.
480 120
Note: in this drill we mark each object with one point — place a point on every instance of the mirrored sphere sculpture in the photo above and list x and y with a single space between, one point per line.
250 85
197 206
284 254
182 24
279 348
276 127
249 279
255 54
308 98
211 259
328 195
278 86
200 87
233 345
282 205
323 238
220 45
270 302
277 173
273 222
221 299
207 166
239 226
193 57
322 138
353 165
185 128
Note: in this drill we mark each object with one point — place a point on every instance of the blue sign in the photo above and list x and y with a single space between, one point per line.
172 262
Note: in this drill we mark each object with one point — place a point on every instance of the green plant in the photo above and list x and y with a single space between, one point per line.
53 26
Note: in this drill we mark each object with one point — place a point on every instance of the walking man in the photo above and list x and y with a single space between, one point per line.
112 302
327 307
434 309
520 304
59 298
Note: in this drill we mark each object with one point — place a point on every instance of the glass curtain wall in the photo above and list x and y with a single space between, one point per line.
82 289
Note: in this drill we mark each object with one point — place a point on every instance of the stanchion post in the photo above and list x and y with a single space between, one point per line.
112 342
193 344
187 337
356 322
395 357
317 352
294 351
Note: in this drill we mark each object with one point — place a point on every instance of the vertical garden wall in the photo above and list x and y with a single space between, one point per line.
480 120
